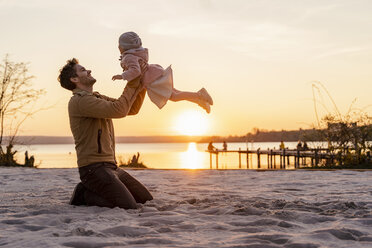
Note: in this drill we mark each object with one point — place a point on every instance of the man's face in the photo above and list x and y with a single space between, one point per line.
83 76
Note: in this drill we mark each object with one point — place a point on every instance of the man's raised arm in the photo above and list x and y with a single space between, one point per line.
136 106
91 106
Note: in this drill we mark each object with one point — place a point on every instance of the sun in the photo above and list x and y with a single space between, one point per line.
191 122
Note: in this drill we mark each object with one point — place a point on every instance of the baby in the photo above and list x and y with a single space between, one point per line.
158 82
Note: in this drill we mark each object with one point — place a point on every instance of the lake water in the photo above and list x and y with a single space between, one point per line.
153 155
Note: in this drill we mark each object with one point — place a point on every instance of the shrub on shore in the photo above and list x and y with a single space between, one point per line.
7 158
132 163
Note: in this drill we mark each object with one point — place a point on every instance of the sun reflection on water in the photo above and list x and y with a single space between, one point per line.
192 158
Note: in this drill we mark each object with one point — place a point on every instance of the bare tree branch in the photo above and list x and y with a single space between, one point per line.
16 96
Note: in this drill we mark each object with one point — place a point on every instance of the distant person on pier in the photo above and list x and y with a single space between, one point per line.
299 145
224 146
305 147
211 147
281 146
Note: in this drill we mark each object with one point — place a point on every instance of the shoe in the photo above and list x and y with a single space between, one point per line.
205 105
77 197
203 93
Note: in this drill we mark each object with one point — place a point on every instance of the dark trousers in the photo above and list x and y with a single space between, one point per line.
107 185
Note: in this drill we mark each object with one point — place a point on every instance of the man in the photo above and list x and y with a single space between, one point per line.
103 183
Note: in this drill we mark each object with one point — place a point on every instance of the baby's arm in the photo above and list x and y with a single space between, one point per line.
133 71
117 77
133 68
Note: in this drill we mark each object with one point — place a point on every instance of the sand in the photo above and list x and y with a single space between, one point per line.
203 208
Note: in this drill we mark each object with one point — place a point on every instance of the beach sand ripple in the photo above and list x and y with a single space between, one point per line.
201 208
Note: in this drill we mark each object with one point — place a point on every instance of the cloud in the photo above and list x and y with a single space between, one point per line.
324 8
268 30
342 51
257 39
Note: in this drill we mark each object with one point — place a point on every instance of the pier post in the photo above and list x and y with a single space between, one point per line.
295 159
217 160
281 160
284 158
258 158
240 159
271 158
247 159
210 160
268 158
316 157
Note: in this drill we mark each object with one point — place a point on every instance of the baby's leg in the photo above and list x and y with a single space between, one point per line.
195 97
178 95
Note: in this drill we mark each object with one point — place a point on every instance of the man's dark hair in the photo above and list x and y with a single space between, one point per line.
67 72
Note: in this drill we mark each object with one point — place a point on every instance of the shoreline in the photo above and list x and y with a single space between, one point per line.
174 139
203 169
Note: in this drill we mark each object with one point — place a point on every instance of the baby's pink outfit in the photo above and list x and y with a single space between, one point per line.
157 81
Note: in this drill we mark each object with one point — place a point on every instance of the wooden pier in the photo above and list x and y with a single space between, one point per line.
299 157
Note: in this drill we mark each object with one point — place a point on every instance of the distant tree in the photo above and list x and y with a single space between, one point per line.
348 135
17 102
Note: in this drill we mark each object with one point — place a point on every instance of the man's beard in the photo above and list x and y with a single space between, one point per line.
93 80
89 81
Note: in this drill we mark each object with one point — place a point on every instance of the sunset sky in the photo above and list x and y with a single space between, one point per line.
256 58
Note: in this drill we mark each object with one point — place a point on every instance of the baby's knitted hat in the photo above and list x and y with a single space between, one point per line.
130 40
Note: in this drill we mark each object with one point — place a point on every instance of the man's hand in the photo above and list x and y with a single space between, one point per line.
117 77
